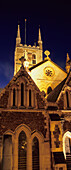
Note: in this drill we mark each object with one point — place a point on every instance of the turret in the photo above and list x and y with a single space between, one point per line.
18 39
39 39
67 63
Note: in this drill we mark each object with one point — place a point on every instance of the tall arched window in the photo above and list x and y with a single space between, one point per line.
14 97
7 152
49 89
22 94
22 151
67 99
30 98
35 154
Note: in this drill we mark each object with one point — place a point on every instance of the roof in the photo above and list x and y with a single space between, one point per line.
59 157
38 64
53 95
45 60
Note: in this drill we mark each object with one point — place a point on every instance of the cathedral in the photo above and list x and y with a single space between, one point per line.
35 112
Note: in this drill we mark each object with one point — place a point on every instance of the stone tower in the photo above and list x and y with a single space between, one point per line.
34 54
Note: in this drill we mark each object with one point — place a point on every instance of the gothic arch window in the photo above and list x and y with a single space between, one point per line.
33 59
14 97
35 154
67 99
22 94
22 151
49 89
30 100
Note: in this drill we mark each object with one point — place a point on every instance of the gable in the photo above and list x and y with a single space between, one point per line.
47 73
22 92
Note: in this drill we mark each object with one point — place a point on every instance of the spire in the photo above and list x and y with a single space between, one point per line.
25 31
18 32
68 58
39 36
67 63
39 39
18 39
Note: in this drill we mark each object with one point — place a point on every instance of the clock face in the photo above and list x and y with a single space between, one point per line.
49 71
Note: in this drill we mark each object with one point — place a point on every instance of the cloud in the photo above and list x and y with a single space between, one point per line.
6 70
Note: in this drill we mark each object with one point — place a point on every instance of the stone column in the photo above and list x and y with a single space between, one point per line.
7 152
65 101
36 106
47 156
15 159
11 98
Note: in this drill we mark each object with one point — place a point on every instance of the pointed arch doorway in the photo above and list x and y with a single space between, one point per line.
67 144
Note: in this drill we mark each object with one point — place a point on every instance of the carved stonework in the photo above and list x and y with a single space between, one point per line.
56 136
67 126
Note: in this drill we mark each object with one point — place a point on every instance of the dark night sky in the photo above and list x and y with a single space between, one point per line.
54 18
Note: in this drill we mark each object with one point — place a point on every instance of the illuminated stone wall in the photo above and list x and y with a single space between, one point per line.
30 51
47 74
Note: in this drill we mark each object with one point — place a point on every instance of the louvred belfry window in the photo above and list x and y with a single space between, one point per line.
22 151
35 154
33 59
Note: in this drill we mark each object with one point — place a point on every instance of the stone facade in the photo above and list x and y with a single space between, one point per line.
35 126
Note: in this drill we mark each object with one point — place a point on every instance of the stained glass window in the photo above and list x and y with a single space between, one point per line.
22 151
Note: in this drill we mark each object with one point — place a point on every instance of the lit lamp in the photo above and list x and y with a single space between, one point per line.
26 64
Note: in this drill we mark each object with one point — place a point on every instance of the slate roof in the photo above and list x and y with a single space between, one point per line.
38 64
53 95
59 157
